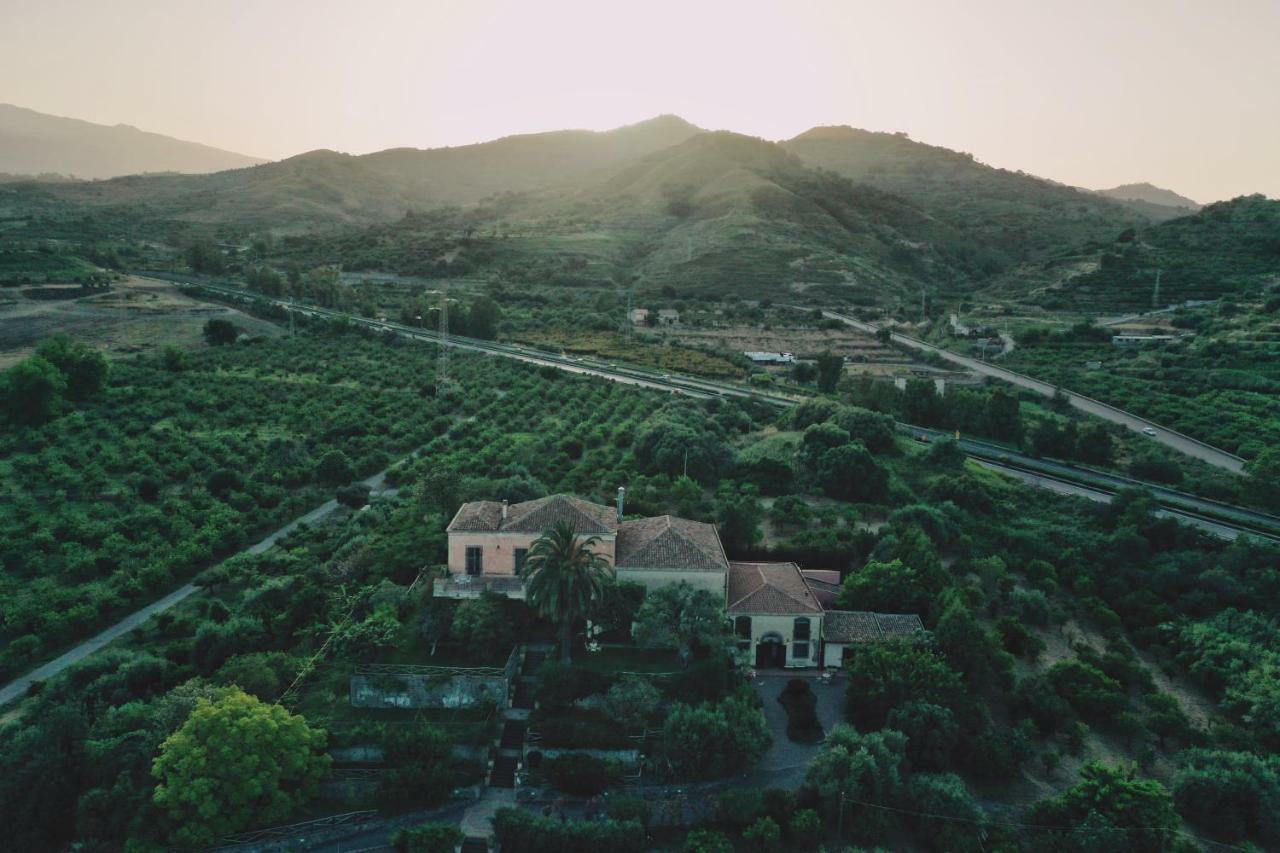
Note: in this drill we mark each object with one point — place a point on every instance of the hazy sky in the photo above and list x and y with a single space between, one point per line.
1182 94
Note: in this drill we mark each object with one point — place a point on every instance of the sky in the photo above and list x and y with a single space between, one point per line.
1185 95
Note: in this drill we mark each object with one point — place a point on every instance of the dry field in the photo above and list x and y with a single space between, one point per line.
866 353
136 315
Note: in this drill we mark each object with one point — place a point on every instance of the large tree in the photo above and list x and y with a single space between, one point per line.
680 616
565 578
236 762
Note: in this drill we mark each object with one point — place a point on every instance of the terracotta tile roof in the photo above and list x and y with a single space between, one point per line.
860 626
899 624
477 515
769 588
849 626
588 519
673 544
824 584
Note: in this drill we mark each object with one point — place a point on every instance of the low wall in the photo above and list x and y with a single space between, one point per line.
427 691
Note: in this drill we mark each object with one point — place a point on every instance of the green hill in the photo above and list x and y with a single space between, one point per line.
328 190
1229 249
1021 216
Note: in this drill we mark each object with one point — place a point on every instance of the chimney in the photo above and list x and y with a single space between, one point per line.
504 509
622 500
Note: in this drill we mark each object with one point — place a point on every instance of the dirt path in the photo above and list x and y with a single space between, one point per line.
18 688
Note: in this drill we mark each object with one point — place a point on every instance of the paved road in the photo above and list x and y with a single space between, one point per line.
696 387
1170 438
18 688
1062 487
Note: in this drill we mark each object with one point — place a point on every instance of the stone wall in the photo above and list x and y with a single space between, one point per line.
427 691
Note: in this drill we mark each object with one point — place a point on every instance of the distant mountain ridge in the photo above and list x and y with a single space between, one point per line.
34 143
1150 194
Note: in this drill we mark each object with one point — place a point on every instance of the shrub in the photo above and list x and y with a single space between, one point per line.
739 807
334 469
631 701
519 831
931 730
707 841
581 774
354 495
764 834
714 739
806 828
436 837
801 705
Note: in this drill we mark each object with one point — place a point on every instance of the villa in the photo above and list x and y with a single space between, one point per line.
779 615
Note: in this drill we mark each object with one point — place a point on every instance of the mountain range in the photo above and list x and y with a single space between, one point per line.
33 143
868 217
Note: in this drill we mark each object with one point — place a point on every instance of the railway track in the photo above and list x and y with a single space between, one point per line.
1218 517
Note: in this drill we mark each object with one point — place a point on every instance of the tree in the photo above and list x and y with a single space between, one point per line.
84 369
565 577
481 624
174 359
41 769
739 515
234 763
830 368
1262 473
219 332
862 767
1236 794
334 469
712 740
949 819
932 733
892 587
31 390
482 319
417 759
1003 417
850 473
1141 809
884 675
204 257
680 617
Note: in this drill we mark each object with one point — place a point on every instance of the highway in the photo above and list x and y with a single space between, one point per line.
1217 517
1168 437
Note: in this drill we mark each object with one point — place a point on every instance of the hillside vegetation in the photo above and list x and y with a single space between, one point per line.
1229 249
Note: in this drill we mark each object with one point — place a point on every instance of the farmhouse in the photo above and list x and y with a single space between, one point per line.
777 615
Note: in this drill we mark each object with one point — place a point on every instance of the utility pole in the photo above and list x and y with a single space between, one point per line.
442 361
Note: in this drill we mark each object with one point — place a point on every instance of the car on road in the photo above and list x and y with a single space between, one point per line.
1148 431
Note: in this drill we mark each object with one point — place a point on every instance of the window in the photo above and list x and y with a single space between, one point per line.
522 554
475 559
742 629
800 639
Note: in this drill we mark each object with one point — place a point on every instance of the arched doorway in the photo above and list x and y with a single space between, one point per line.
770 651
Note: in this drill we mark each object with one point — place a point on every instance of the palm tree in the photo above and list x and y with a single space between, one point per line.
565 576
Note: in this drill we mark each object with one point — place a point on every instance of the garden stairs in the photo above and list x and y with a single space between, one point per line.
509 753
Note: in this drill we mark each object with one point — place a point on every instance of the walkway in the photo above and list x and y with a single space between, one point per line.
18 688
784 765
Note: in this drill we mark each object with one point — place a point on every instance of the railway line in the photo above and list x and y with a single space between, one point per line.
1222 519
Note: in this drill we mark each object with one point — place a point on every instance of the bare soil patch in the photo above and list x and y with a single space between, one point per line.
135 315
